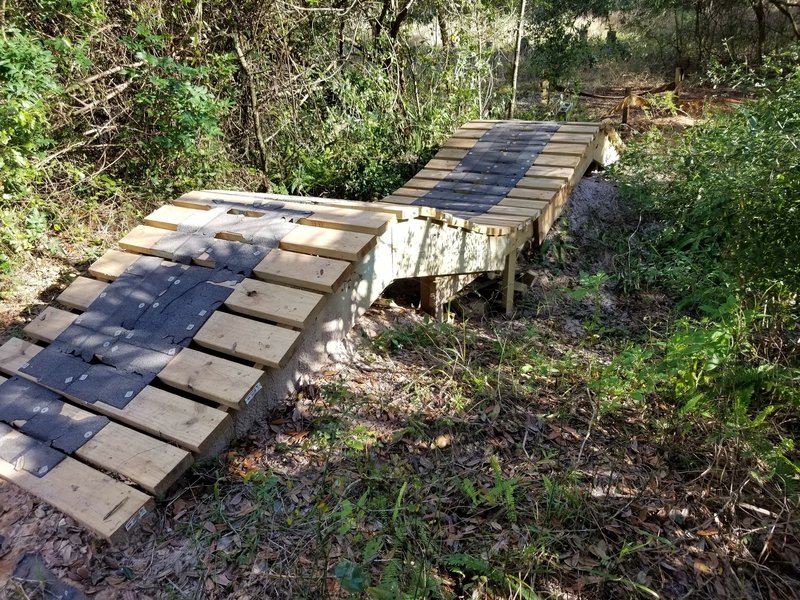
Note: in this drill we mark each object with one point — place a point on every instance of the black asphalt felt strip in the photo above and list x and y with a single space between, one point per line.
490 170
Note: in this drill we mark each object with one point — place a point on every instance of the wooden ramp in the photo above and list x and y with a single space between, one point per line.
222 302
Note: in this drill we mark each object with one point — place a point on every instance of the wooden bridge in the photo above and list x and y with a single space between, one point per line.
222 302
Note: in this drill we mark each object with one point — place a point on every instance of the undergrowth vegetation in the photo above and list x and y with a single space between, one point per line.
724 198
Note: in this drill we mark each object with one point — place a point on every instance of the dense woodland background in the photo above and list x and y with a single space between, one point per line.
108 109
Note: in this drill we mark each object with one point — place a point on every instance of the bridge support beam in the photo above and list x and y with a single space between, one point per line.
509 277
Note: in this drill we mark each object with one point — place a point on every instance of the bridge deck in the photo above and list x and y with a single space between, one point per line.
222 302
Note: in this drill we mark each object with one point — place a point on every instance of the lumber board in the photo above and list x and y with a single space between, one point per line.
556 160
150 463
274 302
81 292
213 378
111 265
441 164
591 128
467 133
566 149
262 343
303 270
483 125
108 508
143 239
170 216
451 154
536 183
545 195
330 243
562 173
400 212
189 424
460 143
533 205
572 138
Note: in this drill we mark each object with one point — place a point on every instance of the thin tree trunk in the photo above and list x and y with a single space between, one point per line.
517 53
262 146
761 28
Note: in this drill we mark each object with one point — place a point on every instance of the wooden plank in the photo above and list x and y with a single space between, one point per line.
566 149
578 128
112 264
148 462
345 219
143 239
172 417
572 138
514 211
303 270
533 205
403 199
422 183
562 173
407 191
81 293
262 343
170 216
274 302
459 143
536 183
451 154
330 243
49 323
213 378
108 508
508 222
557 160
400 212
482 125
468 133
545 195
440 164
143 459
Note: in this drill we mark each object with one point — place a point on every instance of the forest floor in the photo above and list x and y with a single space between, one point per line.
471 458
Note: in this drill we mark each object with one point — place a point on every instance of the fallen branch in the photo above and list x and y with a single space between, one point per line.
105 73
112 94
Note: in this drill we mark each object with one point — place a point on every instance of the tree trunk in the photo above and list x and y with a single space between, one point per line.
262 146
443 31
761 31
517 53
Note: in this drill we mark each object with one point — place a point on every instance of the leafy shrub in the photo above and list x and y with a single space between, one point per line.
729 191
180 119
27 81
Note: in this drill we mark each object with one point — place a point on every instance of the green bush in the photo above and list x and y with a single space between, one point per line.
729 190
27 82
178 141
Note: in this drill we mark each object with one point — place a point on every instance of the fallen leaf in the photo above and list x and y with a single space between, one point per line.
708 532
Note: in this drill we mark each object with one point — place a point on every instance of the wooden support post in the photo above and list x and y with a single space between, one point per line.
435 292
626 105
509 276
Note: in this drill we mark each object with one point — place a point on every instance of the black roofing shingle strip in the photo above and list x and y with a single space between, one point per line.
41 412
27 454
509 148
